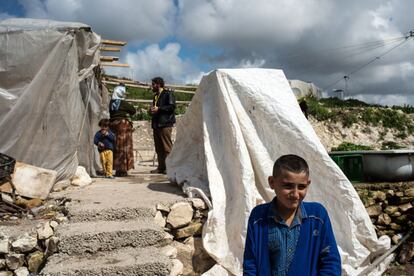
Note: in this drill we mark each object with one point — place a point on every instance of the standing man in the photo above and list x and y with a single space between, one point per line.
163 119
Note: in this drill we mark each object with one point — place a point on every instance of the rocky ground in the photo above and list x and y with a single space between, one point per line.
111 227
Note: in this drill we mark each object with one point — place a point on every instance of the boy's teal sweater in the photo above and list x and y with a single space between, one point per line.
316 251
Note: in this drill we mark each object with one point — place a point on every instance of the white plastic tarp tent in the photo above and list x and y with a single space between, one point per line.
50 99
238 123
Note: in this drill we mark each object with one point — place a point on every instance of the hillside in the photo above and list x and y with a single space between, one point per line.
337 122
367 126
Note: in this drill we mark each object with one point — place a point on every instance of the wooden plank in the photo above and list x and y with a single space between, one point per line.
113 42
110 49
109 58
114 64
144 86
138 82
120 80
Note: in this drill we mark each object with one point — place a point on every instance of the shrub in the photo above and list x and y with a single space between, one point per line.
370 116
388 145
349 120
347 146
318 111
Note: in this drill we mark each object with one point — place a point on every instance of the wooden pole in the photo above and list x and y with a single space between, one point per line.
109 58
110 49
113 42
114 64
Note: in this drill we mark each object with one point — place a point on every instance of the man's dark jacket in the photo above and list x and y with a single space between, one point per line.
165 116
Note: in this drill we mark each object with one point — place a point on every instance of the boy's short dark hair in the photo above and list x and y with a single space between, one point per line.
158 80
291 163
104 123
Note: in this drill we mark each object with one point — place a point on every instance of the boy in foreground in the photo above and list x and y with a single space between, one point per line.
287 236
105 140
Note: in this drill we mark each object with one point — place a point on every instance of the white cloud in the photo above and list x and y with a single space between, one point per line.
307 39
4 15
388 100
249 21
256 63
165 62
132 20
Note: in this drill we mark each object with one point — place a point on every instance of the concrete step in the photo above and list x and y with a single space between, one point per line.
94 213
126 261
92 237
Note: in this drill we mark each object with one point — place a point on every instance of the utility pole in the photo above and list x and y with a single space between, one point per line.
346 78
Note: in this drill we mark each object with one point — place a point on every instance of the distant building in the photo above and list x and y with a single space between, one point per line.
302 89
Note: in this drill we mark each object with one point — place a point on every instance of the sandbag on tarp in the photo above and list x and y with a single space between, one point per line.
50 100
238 123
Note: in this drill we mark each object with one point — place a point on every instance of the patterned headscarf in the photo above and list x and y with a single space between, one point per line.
117 96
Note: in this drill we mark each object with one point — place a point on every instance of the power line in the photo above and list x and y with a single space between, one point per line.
346 77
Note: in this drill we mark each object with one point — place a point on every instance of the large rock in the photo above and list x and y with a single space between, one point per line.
162 207
409 192
52 245
4 244
22 271
44 232
198 203
177 268
391 210
35 260
405 207
54 224
191 230
180 215
2 263
33 182
185 255
159 219
384 219
6 273
395 226
81 177
169 251
374 210
14 261
380 196
24 243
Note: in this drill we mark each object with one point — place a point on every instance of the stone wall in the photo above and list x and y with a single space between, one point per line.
26 244
184 221
390 207
28 252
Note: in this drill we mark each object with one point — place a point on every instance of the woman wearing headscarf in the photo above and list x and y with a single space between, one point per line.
121 124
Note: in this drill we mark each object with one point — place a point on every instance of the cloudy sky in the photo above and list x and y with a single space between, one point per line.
318 41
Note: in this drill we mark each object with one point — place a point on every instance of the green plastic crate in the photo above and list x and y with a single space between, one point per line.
351 165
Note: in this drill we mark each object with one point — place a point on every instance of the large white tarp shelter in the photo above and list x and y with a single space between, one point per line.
50 99
238 123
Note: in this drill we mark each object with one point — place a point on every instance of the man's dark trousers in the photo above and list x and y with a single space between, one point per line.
163 145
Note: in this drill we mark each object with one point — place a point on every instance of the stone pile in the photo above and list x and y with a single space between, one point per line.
184 221
28 252
390 207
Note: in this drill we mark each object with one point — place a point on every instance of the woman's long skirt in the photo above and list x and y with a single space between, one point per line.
123 151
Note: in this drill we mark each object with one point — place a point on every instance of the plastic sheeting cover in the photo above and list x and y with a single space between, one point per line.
50 100
238 123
